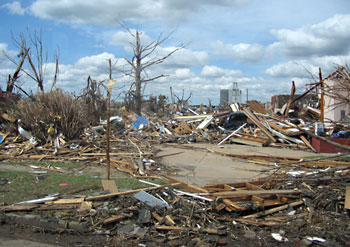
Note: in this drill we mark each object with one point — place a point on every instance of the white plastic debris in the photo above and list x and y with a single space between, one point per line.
25 133
316 239
278 237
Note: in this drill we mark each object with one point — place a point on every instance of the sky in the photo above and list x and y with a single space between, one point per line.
263 45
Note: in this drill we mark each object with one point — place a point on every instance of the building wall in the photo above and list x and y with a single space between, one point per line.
331 112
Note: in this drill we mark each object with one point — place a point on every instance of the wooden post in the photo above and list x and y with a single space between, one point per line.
109 89
286 113
322 96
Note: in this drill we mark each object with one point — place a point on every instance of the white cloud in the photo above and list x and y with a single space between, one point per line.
242 53
292 68
327 38
14 8
124 38
306 68
183 57
214 71
106 12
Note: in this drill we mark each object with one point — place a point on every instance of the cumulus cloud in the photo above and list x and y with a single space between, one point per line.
306 68
242 53
14 8
183 58
328 38
124 38
105 11
214 71
292 68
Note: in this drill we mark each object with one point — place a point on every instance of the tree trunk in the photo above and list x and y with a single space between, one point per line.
138 94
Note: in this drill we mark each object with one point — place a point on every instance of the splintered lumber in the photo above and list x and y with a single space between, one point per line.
347 198
230 135
286 113
188 187
255 120
307 143
157 216
129 192
183 128
179 228
234 186
18 207
67 201
113 219
239 193
244 138
274 210
194 117
284 128
257 107
232 206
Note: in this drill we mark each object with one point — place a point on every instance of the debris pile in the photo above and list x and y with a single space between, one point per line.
299 202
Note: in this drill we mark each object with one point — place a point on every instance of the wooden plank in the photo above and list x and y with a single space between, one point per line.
233 194
129 192
194 117
258 199
113 219
109 185
234 206
255 120
273 210
188 187
253 186
19 207
67 201
307 143
347 197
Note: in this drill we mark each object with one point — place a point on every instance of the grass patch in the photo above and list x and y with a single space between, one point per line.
16 186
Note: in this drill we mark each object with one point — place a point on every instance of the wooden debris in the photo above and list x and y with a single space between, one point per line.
347 198
113 219
273 210
123 193
109 185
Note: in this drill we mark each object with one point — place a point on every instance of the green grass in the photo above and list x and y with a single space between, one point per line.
16 186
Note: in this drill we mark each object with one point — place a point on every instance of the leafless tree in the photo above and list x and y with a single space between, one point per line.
340 90
36 55
13 78
144 58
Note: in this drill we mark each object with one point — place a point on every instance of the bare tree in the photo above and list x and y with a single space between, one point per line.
340 91
36 56
143 59
13 78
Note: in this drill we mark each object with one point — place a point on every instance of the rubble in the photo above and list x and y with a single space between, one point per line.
297 194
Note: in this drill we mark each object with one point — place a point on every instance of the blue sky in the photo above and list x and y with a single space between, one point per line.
262 45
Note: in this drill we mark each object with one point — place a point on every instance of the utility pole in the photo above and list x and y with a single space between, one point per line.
322 96
247 95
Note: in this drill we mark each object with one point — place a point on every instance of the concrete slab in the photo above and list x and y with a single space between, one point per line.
198 166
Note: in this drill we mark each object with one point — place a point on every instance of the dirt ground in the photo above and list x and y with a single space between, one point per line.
196 165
